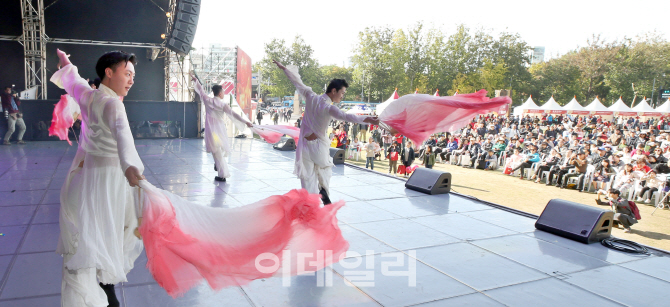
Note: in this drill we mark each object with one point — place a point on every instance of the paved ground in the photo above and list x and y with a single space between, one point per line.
530 197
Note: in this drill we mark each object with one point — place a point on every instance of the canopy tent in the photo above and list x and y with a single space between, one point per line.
383 105
621 109
644 109
597 108
437 93
528 108
552 107
664 108
573 107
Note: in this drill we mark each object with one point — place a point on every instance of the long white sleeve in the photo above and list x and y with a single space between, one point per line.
343 116
293 75
239 121
116 118
68 79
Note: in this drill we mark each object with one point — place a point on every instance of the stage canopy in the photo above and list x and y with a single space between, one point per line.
383 105
664 108
552 107
621 109
644 109
573 107
528 108
597 108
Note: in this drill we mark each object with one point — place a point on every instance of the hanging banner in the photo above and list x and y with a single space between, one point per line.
243 89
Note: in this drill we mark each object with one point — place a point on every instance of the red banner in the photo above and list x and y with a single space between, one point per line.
533 111
626 113
652 114
603 113
579 112
243 89
556 111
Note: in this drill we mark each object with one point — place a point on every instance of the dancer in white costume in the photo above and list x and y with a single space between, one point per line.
216 135
97 213
313 163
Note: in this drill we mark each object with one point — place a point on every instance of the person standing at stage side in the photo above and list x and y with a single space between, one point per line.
313 163
97 213
11 104
407 155
259 116
216 134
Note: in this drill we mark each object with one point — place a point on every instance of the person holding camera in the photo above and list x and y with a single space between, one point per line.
11 104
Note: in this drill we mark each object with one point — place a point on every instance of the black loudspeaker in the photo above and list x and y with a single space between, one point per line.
285 144
338 155
184 27
575 221
429 181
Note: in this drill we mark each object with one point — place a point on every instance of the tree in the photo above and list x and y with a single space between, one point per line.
300 54
373 63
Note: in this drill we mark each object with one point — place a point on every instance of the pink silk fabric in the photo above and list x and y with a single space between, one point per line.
61 120
273 133
187 243
417 116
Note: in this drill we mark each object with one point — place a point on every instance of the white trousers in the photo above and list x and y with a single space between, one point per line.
80 288
316 165
221 165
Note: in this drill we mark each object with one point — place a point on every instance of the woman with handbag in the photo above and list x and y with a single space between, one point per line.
392 156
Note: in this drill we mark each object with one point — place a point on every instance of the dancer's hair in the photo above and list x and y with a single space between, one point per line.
337 84
97 82
216 89
112 60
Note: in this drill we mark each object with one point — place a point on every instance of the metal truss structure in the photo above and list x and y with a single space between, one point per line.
216 65
34 42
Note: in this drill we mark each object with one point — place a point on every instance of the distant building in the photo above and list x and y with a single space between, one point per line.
215 64
538 55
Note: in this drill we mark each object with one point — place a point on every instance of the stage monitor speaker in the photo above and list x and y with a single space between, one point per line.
185 25
338 155
575 221
429 181
285 144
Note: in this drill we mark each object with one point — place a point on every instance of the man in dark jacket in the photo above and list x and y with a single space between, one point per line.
259 116
11 104
623 214
407 155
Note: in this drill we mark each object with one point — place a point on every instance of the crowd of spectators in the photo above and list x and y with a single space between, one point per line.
585 153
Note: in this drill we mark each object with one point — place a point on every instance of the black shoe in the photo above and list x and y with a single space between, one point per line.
217 178
111 295
558 185
324 197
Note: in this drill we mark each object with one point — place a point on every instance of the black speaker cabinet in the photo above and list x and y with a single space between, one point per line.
337 155
285 144
429 181
575 221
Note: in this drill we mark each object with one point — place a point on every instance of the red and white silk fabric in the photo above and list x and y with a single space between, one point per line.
273 133
417 116
187 243
64 116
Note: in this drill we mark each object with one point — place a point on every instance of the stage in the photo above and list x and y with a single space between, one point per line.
407 248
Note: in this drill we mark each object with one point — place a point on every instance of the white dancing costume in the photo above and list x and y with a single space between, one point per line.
97 214
313 163
216 135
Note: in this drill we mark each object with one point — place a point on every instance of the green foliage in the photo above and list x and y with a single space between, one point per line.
469 60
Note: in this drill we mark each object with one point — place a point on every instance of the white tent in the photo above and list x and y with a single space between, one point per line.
552 107
383 105
528 108
665 107
573 107
644 109
597 108
621 109
360 110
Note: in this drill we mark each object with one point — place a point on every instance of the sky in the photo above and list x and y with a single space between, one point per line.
332 27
